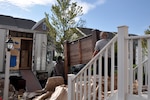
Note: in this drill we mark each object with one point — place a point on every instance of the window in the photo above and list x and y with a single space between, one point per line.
44 26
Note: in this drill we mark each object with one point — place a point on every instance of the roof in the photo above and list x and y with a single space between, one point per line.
85 31
88 31
17 22
38 23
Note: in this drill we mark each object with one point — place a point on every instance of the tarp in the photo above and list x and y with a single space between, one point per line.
13 61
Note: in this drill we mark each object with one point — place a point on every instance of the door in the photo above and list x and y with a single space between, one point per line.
26 54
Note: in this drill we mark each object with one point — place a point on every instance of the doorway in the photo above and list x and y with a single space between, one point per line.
26 54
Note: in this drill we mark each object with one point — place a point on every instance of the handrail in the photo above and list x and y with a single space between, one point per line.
138 37
142 63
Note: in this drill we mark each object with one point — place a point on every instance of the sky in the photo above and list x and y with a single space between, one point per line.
104 15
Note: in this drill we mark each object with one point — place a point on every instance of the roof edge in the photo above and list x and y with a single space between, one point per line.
38 23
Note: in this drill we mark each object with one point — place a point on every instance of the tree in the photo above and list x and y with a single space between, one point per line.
147 31
144 42
62 22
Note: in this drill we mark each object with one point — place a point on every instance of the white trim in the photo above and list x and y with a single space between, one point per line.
81 32
13 28
38 23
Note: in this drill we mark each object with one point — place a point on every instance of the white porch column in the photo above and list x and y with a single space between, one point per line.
122 62
7 68
148 69
70 89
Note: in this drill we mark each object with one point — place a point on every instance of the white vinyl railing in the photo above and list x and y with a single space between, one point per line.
133 83
140 72
89 84
145 71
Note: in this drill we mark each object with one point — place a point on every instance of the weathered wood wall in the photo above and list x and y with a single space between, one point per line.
80 51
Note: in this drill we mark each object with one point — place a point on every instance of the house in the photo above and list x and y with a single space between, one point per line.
29 53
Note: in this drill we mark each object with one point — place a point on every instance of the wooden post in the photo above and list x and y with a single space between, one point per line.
95 37
66 60
80 51
122 62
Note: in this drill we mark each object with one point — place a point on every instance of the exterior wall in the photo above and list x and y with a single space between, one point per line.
33 54
41 27
16 52
44 51
40 51
81 50
78 52
39 48
3 33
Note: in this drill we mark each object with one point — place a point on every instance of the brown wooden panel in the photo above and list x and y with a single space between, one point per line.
26 54
24 58
87 48
80 51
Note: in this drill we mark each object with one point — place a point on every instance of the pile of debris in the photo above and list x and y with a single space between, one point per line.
52 91
12 92
55 89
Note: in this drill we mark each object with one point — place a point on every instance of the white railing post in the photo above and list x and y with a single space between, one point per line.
70 87
122 62
6 83
148 69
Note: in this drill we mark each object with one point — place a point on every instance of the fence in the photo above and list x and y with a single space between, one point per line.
80 51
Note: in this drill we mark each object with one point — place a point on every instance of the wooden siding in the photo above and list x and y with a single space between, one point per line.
79 51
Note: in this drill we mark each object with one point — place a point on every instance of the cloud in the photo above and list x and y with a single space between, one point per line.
26 4
89 6
86 6
100 2
4 6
